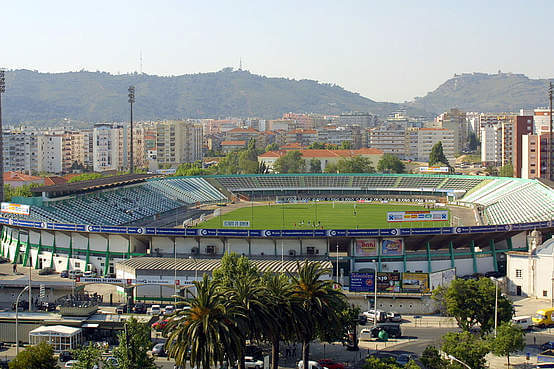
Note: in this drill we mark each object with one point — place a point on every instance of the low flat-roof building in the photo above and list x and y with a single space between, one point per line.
61 337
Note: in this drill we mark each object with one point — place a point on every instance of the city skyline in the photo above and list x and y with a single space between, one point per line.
361 47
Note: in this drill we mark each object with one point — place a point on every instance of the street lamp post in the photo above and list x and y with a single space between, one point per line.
496 280
451 357
17 319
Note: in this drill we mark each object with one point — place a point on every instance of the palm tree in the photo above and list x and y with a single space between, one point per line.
279 292
319 302
204 329
249 297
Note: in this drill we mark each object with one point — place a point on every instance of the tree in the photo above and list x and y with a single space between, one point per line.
204 332
315 166
279 292
506 170
85 177
356 164
319 302
467 348
40 356
436 156
509 338
346 145
388 363
390 163
229 164
491 170
88 356
272 147
472 303
473 141
231 266
291 162
431 358
134 342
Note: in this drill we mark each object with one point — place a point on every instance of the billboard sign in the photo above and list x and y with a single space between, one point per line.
11 208
415 282
236 223
361 282
441 278
417 216
434 169
392 246
389 282
366 246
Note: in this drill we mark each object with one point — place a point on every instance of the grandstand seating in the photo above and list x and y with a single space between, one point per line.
507 201
127 204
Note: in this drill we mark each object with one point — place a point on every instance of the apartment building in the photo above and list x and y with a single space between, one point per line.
541 118
58 151
178 142
389 141
362 119
428 137
20 150
455 120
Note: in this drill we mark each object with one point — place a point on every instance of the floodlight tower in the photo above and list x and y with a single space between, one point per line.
550 144
2 90
131 101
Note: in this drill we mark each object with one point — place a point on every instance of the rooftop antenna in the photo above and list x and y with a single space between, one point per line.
140 70
240 64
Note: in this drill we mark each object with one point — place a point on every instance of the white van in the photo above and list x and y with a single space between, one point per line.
154 310
523 322
311 365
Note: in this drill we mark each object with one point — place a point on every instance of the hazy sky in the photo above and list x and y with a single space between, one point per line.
385 50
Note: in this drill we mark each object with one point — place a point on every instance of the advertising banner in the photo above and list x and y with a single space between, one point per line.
415 282
441 278
366 247
392 246
361 282
417 216
8 207
236 223
389 282
434 169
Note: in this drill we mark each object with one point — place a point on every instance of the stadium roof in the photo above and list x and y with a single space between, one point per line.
208 265
93 184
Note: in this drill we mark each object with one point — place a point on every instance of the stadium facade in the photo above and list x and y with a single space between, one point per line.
96 224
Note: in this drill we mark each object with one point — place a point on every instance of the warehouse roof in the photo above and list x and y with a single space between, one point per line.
208 265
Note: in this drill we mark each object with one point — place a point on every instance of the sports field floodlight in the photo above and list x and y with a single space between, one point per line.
2 90
132 101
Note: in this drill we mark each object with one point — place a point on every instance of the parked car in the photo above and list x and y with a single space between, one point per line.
253 351
75 273
158 349
64 274
70 364
139 308
394 317
160 324
362 319
547 346
89 274
494 274
47 306
403 359
393 330
331 364
112 361
372 314
169 309
65 356
251 363
46 271
122 309
154 310
311 365
523 322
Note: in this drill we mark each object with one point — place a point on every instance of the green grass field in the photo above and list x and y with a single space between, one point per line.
326 215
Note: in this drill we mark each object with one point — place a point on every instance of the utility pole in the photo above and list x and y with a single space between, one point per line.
2 90
131 101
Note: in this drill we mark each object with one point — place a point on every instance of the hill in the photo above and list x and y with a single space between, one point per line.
97 96
481 92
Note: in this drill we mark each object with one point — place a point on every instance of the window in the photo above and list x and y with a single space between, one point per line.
544 293
518 273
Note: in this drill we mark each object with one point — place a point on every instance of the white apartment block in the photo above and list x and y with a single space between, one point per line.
428 137
490 144
178 142
20 150
107 147
389 141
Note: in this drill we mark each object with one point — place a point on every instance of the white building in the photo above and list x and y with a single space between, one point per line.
531 273
20 150
390 141
428 137
178 142
107 147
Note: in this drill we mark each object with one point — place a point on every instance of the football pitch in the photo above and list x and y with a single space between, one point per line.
320 216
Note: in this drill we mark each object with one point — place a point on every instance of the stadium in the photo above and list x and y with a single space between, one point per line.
354 223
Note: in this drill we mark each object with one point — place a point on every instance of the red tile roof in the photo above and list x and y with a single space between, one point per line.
54 180
233 143
243 130
20 177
